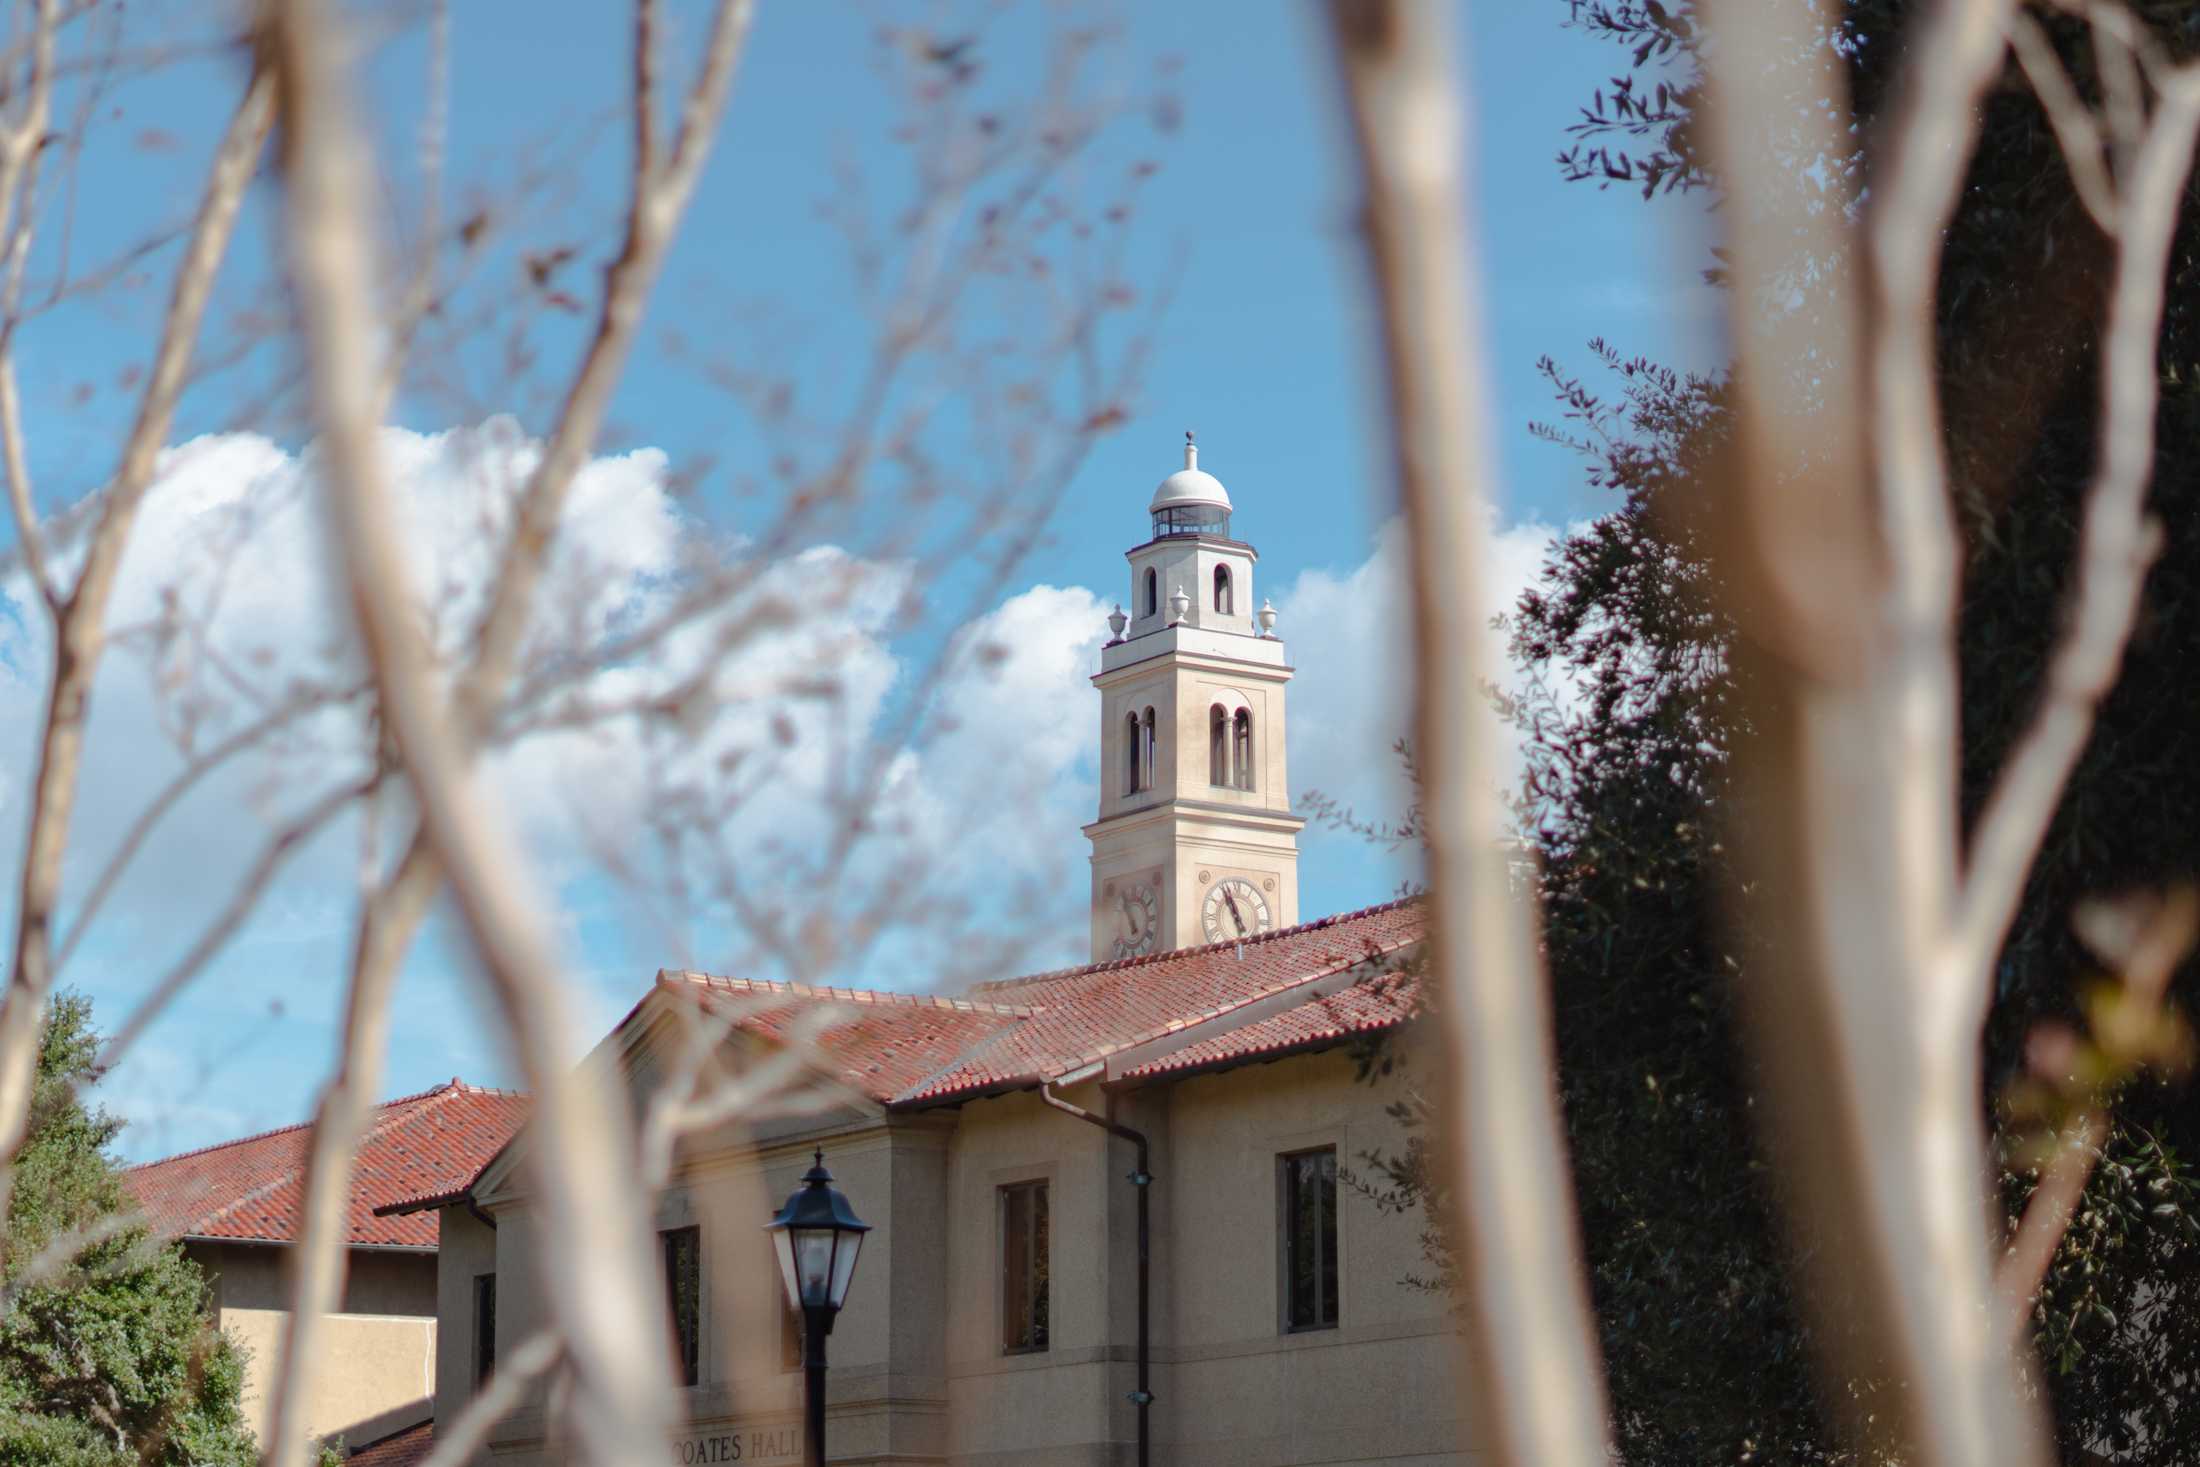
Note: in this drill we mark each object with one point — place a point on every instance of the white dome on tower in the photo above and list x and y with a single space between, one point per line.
1189 485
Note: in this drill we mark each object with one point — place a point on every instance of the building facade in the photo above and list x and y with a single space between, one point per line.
1192 1099
235 1209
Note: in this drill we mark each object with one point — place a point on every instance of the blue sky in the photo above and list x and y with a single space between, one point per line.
1263 350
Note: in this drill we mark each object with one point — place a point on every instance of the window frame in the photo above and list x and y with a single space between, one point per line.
1328 1275
1225 591
1037 1290
687 1331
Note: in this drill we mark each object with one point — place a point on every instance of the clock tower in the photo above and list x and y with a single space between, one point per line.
1196 841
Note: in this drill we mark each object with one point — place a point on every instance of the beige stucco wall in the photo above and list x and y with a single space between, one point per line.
1379 1387
887 1396
918 1375
466 1248
379 1349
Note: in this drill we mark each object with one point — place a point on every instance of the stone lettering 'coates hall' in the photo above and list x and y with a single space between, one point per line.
996 1315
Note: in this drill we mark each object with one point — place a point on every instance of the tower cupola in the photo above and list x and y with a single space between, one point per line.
1191 501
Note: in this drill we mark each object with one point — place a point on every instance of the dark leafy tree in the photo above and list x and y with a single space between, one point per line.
1707 1350
107 1359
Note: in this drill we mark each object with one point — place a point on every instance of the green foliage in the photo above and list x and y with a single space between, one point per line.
107 1359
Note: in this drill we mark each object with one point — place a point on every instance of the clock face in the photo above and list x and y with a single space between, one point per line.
1234 910
1137 917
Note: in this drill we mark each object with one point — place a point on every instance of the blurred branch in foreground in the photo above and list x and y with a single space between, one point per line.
1880 928
1529 1355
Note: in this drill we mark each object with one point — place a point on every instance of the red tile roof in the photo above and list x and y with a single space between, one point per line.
906 1050
1382 1002
251 1190
406 1448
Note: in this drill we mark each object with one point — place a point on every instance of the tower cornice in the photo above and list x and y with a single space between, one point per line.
1195 647
1219 541
1280 822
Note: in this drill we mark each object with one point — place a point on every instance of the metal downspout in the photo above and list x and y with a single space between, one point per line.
1142 1179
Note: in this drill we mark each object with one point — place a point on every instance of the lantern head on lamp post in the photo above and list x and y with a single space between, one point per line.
817 1236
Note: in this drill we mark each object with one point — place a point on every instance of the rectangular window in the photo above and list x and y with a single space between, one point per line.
1024 1268
684 1295
1310 1239
485 1326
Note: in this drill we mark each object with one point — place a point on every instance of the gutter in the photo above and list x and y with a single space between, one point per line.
1142 1179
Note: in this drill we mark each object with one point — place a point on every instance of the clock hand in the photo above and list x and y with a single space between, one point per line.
1234 914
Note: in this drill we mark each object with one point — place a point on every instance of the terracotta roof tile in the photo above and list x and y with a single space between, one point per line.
251 1190
406 1448
1364 1008
904 1049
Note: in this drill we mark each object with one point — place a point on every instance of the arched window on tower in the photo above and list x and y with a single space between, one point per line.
1222 590
1218 745
1149 750
1131 745
1241 753
1153 592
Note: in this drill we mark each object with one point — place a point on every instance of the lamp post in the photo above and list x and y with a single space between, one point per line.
817 1236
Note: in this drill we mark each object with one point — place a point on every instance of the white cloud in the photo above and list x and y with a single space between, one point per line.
1350 636
228 594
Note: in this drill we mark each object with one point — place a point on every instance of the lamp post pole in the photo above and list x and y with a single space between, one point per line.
817 1237
817 1323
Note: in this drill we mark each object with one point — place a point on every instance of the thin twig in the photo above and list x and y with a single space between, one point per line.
212 938
187 779
658 202
2075 130
457 1439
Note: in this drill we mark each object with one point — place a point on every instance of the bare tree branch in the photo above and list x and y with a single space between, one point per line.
80 630
1915 181
2117 545
1877 951
659 201
389 917
1846 854
596 1262
1530 1355
19 148
2075 130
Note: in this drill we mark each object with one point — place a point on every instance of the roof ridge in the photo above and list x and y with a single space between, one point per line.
834 993
1294 930
454 1084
